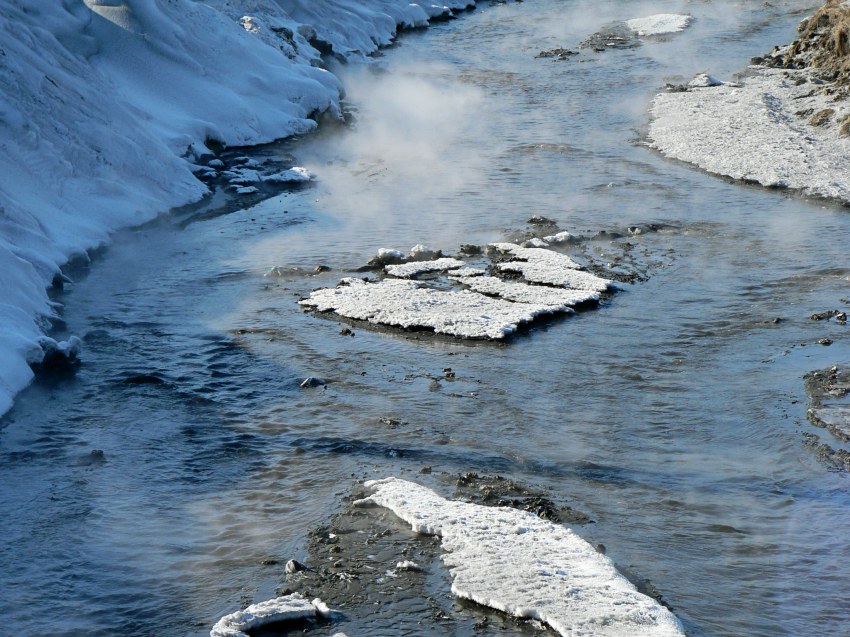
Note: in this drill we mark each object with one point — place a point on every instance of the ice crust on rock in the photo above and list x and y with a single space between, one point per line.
539 265
291 607
94 141
559 299
407 304
294 175
659 24
750 132
517 563
414 268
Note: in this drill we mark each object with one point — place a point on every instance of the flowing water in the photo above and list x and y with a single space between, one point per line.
672 415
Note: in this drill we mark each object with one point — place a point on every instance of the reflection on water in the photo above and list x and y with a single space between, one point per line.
673 417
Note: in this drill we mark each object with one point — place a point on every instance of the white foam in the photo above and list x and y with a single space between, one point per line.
659 24
559 299
414 268
291 607
515 562
407 304
750 132
539 265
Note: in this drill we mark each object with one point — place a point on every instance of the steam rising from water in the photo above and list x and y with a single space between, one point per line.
409 137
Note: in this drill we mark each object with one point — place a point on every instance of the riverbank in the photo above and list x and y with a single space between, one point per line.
784 124
109 106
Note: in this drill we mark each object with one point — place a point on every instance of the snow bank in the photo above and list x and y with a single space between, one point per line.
107 102
407 304
659 24
759 131
281 609
522 565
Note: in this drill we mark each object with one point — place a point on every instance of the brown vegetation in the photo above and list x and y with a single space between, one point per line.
824 42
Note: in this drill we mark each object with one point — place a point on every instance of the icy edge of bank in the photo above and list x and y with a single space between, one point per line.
106 104
759 131
522 565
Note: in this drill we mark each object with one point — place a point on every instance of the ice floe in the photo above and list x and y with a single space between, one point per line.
525 566
291 607
414 268
462 300
557 298
408 304
659 24
538 265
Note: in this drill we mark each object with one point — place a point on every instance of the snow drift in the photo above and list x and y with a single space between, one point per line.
106 104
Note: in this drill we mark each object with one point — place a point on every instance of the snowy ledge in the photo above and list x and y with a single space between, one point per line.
527 567
92 141
786 125
751 132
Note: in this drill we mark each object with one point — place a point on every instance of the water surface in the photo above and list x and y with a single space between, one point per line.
672 415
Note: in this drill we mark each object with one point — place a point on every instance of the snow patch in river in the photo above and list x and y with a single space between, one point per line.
410 305
547 267
517 563
414 268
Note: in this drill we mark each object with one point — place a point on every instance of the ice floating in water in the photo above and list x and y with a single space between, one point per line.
246 190
491 307
407 304
659 24
559 299
538 265
287 608
414 268
522 565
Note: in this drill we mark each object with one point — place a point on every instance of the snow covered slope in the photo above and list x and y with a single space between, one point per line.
105 103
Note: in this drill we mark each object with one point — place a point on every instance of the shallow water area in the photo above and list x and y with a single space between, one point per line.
673 416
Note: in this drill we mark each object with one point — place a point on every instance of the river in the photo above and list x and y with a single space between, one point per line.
672 415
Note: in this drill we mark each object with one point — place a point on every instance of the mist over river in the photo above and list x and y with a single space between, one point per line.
143 494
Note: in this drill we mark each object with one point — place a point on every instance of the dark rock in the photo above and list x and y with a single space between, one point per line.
311 381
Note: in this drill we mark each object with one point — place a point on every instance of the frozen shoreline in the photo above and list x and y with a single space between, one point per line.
779 127
94 141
